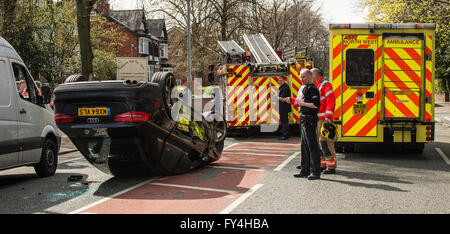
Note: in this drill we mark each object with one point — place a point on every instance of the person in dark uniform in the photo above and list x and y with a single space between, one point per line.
285 108
310 104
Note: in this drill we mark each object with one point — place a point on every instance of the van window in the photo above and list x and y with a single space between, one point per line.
25 84
4 88
359 67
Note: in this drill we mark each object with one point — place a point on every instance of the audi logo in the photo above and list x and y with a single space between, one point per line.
93 120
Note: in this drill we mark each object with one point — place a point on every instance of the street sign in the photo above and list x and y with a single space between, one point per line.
132 68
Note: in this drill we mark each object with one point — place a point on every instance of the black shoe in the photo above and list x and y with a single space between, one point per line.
283 138
300 175
299 167
329 171
313 177
322 169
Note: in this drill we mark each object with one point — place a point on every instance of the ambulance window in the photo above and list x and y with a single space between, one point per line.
359 67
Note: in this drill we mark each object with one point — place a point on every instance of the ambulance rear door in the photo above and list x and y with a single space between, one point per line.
403 55
361 85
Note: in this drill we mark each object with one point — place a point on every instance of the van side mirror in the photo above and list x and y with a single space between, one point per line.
46 94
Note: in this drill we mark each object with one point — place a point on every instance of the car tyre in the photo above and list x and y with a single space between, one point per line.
75 78
166 82
49 159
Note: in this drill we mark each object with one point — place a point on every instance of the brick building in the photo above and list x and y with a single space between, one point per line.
145 37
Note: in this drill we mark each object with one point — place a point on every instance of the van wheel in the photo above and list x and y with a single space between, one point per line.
49 159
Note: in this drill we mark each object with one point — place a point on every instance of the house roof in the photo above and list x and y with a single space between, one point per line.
157 28
130 20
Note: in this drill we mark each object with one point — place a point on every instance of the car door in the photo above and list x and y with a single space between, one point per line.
30 112
9 127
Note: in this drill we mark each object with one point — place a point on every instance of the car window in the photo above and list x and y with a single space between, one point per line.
25 84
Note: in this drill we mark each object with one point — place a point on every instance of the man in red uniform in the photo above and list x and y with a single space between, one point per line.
326 111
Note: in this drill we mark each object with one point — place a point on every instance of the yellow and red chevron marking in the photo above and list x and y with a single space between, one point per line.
238 94
429 108
275 115
296 83
399 104
337 67
261 99
262 103
402 80
359 124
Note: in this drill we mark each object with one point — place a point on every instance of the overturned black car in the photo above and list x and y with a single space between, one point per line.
127 128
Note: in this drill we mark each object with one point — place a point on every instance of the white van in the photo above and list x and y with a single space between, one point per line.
28 133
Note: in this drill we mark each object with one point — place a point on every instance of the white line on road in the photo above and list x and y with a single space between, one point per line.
242 198
195 188
112 196
236 168
230 146
286 161
70 160
254 154
443 156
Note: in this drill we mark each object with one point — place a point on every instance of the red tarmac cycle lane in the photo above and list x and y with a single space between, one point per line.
209 190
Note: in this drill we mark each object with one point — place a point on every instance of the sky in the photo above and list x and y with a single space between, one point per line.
334 11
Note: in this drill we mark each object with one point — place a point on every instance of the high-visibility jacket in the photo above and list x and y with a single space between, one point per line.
327 100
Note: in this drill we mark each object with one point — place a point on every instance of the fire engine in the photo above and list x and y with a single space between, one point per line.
249 81
383 80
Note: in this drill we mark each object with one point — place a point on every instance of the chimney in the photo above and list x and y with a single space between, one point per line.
103 6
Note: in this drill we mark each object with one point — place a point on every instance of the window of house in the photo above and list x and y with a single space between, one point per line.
143 45
163 51
359 67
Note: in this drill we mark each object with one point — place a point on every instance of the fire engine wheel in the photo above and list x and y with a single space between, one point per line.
167 83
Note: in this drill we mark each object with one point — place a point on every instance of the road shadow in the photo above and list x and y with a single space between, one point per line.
395 155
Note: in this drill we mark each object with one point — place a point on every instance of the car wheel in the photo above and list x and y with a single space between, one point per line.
167 83
49 159
75 78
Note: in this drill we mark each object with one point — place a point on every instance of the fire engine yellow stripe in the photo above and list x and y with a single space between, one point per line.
336 72
395 111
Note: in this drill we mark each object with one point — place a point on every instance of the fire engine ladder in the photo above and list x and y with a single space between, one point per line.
230 47
261 49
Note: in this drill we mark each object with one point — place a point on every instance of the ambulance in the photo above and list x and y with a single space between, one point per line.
383 81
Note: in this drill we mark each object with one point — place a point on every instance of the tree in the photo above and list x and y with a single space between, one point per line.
419 11
84 8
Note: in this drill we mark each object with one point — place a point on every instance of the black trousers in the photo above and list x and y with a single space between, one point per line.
309 148
284 121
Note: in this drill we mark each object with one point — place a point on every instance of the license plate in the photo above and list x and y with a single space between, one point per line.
359 109
94 111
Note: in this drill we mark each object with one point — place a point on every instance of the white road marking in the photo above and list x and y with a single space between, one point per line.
286 161
443 156
270 143
254 154
236 168
70 160
242 198
195 188
227 147
112 196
